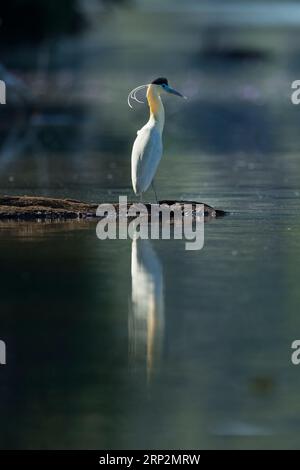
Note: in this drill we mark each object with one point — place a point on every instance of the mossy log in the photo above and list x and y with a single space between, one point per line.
45 208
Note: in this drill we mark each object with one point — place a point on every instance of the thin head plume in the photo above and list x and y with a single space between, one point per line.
132 95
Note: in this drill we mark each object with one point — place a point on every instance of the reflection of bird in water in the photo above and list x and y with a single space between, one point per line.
147 148
146 320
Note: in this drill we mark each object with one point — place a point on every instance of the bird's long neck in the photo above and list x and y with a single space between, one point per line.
157 112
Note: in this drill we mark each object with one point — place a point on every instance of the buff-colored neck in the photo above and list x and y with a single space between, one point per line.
156 106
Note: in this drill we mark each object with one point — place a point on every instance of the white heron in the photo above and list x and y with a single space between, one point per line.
147 149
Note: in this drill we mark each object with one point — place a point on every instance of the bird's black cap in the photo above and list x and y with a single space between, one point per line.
160 81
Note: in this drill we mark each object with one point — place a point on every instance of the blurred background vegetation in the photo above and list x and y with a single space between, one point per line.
35 21
70 65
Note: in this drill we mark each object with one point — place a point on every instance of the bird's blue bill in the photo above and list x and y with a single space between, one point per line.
173 91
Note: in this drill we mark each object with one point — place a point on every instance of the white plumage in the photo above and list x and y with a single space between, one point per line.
146 155
148 148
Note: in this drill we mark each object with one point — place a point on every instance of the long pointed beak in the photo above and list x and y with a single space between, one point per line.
174 92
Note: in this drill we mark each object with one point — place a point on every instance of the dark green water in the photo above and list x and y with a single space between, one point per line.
200 359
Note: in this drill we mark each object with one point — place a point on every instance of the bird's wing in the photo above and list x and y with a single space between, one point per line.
146 155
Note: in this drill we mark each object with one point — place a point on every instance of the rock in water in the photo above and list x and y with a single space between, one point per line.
45 208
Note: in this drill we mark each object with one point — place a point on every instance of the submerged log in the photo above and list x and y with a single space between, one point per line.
45 208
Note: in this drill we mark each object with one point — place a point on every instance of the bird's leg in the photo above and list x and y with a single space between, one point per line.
141 198
153 187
